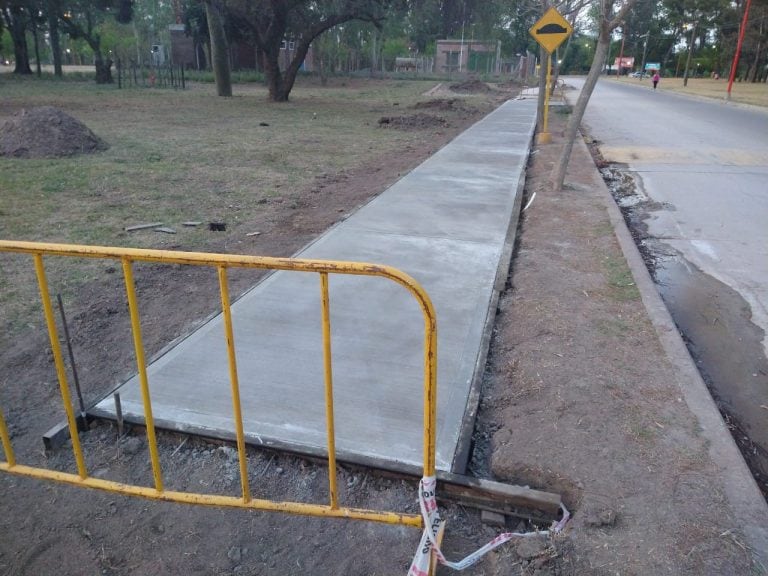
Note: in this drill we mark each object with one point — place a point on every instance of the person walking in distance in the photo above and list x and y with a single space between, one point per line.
655 79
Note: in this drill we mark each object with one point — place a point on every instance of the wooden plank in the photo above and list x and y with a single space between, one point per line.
498 497
59 434
143 226
493 518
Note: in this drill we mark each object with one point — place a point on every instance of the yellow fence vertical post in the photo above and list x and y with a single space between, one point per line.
226 311
430 396
328 371
58 360
10 457
138 345
430 387
545 137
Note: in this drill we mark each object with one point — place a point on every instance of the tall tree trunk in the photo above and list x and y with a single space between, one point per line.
219 51
755 68
560 56
274 77
53 29
280 82
16 24
320 60
103 68
571 132
607 22
37 48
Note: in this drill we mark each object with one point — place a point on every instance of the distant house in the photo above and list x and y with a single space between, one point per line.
183 49
468 56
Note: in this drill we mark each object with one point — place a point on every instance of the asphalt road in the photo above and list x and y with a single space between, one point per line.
701 169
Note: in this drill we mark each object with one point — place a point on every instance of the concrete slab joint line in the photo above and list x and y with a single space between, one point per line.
419 225
746 501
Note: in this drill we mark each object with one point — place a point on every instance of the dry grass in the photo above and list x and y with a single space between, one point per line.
741 92
179 156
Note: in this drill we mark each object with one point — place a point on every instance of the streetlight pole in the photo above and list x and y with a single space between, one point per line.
621 52
690 52
589 60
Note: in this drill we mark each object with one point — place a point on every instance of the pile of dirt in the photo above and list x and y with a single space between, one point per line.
47 132
471 87
443 104
414 122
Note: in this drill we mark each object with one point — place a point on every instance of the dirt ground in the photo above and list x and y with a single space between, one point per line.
577 399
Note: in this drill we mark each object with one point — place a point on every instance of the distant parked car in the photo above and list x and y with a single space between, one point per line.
639 75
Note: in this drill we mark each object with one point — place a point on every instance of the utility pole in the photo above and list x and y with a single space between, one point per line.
690 52
645 49
621 52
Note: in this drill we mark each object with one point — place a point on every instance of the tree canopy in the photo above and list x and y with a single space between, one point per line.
371 34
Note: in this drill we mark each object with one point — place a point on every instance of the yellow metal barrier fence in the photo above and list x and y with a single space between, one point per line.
222 262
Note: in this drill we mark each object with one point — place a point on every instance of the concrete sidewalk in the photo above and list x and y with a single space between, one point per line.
447 224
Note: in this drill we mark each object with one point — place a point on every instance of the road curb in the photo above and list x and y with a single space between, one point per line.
749 507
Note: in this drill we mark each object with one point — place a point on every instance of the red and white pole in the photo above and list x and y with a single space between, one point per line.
738 49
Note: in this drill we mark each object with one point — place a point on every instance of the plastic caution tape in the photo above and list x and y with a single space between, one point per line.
433 523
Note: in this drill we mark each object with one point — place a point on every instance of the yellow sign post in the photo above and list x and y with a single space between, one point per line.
550 31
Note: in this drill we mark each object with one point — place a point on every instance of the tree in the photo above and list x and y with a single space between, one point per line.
196 26
609 18
150 22
275 25
16 18
82 19
219 50
52 9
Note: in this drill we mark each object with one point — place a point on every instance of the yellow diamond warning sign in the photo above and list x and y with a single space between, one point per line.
551 30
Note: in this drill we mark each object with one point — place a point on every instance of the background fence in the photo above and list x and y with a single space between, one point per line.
132 75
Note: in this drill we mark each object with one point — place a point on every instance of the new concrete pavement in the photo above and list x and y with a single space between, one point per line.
447 224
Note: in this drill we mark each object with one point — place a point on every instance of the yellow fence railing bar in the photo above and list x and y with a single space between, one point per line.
222 262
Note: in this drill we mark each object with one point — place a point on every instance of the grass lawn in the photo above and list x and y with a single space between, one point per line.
741 92
178 156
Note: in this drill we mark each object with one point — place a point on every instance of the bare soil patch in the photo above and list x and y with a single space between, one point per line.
412 122
47 132
443 104
473 86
